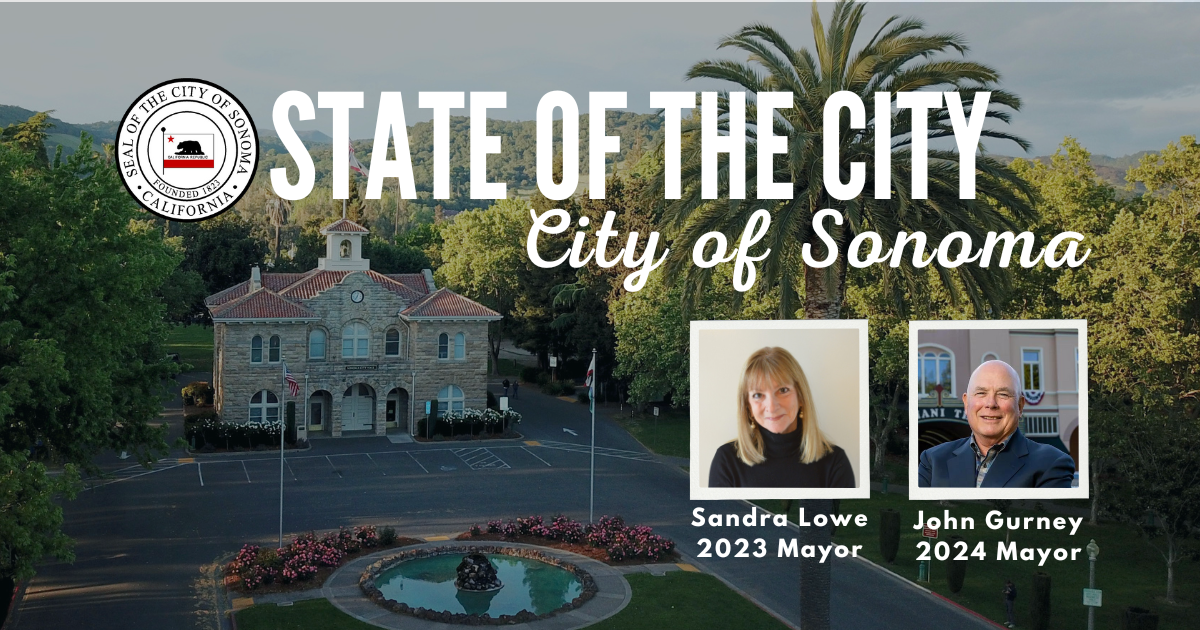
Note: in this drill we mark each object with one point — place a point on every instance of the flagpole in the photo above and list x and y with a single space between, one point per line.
282 427
592 403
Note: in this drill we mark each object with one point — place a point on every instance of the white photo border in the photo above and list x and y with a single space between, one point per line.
917 493
699 489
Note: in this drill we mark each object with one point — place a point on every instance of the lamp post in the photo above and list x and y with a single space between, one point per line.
1093 552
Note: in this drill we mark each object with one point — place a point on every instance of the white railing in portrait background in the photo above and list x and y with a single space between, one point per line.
1040 424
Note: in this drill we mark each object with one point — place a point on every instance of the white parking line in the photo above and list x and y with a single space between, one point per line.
289 467
605 452
245 471
201 473
538 458
332 467
480 458
414 458
376 464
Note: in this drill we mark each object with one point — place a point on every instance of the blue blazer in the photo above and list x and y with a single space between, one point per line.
1022 464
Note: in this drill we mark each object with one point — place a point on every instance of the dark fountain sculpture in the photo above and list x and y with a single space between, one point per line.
477 574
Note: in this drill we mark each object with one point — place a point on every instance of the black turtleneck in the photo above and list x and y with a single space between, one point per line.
782 468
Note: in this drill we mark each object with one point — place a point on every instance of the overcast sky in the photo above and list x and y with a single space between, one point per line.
1120 77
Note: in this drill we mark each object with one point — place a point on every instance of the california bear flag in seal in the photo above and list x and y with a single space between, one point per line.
187 150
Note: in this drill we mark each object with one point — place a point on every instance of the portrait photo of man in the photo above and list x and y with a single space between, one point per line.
998 409
996 454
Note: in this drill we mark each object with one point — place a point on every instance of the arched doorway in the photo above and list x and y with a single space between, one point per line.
397 408
320 411
358 408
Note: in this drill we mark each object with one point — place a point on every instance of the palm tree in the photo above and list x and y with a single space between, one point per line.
900 56
278 211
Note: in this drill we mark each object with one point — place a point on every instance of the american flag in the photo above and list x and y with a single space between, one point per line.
293 386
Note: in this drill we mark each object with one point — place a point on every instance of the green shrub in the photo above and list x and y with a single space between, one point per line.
197 393
889 534
492 403
531 374
956 570
582 396
543 378
387 535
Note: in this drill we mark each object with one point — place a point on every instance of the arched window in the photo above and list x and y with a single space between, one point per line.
256 349
391 343
443 346
273 354
460 346
345 249
450 399
356 340
264 406
316 344
990 356
935 368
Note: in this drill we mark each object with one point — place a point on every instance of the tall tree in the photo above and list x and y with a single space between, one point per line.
1140 292
222 250
82 365
899 57
483 256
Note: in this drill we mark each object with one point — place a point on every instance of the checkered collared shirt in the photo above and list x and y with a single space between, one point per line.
984 462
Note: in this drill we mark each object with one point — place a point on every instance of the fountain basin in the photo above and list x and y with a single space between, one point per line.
421 583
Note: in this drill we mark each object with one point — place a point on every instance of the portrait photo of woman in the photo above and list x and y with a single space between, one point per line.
778 409
779 440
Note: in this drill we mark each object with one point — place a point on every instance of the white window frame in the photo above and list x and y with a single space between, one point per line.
256 340
324 343
460 346
448 401
985 359
443 346
264 407
387 342
274 349
359 338
921 358
1041 372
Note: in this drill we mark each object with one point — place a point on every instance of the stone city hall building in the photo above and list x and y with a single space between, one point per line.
367 349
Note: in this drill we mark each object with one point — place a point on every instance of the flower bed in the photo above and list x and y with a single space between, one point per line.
608 540
367 583
308 556
471 424
206 432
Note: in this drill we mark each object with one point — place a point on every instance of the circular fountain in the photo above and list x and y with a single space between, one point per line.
477 584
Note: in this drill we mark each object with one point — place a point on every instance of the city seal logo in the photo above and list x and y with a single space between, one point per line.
187 149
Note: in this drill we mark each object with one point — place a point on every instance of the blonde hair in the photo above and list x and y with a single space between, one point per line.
777 365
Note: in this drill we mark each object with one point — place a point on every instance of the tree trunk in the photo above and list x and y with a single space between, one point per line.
1172 558
1096 465
815 576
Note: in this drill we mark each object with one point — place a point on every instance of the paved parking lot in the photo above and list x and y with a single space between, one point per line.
143 536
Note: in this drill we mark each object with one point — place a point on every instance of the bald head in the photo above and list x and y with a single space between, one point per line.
996 367
993 402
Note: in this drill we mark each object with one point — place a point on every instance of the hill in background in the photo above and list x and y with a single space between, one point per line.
515 165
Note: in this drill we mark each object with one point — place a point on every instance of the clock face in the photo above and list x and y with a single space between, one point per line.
357 296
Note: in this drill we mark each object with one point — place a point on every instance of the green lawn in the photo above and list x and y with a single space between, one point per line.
1129 571
686 600
313 614
677 600
508 367
194 345
669 435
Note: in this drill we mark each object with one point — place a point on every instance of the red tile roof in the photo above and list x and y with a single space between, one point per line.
262 304
399 288
345 226
447 304
414 281
283 295
313 283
